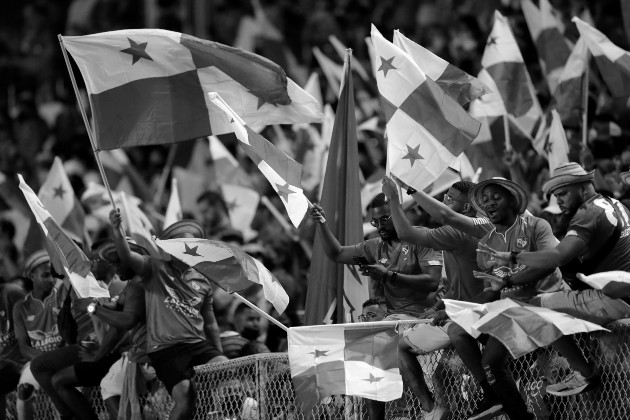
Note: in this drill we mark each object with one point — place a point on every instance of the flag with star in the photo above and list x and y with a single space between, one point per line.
351 359
613 62
283 173
57 195
65 255
568 96
426 128
554 146
457 84
229 267
148 86
553 49
241 203
224 167
174 207
503 61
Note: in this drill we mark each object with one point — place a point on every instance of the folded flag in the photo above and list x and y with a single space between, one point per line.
568 95
174 208
521 328
228 266
283 173
612 61
457 84
426 129
612 283
350 359
148 86
66 256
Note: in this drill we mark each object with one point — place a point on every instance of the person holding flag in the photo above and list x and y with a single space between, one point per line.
182 331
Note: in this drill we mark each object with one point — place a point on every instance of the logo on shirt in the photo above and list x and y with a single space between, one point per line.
30 318
186 307
521 242
383 260
195 285
405 249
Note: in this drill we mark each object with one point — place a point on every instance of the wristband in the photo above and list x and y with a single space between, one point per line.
411 191
513 255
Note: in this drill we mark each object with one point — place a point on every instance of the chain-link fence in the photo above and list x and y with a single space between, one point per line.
259 387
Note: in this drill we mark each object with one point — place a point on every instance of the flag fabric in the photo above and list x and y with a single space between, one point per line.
57 195
426 129
283 173
174 208
66 256
225 168
193 185
521 328
331 285
333 72
148 86
228 266
553 49
612 61
242 204
569 94
503 61
313 87
135 223
554 146
611 283
350 359
457 84
340 48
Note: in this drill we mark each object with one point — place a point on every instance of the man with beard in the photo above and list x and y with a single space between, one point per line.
597 240
406 274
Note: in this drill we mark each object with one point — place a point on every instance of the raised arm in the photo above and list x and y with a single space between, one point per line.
210 326
333 249
134 260
405 230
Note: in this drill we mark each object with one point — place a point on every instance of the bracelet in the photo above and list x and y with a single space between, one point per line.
513 255
411 191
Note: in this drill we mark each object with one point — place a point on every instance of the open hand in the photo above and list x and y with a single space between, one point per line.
500 257
390 189
496 283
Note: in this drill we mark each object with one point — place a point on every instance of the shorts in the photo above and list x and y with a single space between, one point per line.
401 317
91 373
175 363
427 338
590 305
27 377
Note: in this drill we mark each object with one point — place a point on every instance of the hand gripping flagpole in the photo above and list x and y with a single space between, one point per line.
88 126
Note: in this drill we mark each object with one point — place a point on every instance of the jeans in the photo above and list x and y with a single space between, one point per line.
46 365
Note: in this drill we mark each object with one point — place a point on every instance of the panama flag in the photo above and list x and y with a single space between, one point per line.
457 84
65 254
57 195
340 48
332 71
224 167
613 62
351 359
283 173
174 207
568 95
148 86
502 59
228 266
426 129
554 146
241 203
553 49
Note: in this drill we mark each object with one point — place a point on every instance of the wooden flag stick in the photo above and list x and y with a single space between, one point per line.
260 311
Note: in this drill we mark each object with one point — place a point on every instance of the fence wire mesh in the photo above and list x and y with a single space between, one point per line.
260 387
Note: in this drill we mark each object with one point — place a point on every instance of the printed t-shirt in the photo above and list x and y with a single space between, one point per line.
37 320
10 294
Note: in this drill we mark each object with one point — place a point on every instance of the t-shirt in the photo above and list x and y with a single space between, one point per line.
594 222
37 320
133 294
10 294
404 258
175 302
528 233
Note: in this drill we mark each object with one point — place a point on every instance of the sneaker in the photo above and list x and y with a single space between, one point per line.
574 383
436 414
486 409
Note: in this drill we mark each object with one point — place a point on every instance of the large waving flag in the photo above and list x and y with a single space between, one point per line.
569 94
553 49
613 62
333 286
228 266
502 59
283 173
350 359
426 129
554 146
148 86
66 255
457 84
57 195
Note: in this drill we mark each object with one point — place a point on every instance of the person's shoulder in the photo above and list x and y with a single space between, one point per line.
9 289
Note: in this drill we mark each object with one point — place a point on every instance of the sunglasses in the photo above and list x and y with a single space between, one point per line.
380 221
367 317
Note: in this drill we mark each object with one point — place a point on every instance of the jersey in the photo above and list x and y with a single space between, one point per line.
175 301
37 320
528 233
404 258
10 295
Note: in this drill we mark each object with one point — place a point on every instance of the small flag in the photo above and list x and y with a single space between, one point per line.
341 51
457 84
241 203
228 266
612 61
148 86
283 173
174 207
225 168
554 146
332 71
568 95
349 359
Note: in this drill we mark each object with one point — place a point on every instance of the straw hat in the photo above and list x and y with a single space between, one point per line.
177 229
513 188
107 250
34 260
567 174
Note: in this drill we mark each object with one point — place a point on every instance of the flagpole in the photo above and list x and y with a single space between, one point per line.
585 100
170 159
85 120
274 211
260 311
506 132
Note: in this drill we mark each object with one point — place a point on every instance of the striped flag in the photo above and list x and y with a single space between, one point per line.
148 86
228 266
57 195
503 61
612 61
553 49
349 359
174 208
426 129
283 173
457 84
568 95
554 146
241 203
66 255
